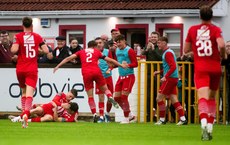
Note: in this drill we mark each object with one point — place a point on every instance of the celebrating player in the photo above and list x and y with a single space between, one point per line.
169 82
124 84
204 40
26 45
91 72
107 74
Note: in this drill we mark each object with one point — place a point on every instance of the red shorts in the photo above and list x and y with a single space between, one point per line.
89 78
169 87
109 82
27 78
207 79
47 109
125 83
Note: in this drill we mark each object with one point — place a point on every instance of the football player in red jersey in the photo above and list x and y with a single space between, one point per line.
91 73
208 46
26 45
45 112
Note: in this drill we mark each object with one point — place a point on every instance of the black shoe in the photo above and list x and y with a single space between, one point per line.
95 118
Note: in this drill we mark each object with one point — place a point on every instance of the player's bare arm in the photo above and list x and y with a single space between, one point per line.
14 49
44 48
67 59
115 62
187 48
221 45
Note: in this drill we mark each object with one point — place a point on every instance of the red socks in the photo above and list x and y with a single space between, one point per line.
109 106
179 108
37 119
125 104
23 102
118 100
28 103
203 108
211 110
101 108
92 105
161 105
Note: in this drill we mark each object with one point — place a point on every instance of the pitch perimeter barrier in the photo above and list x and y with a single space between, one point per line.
189 95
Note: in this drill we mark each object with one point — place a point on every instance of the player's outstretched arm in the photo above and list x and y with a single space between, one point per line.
67 59
115 62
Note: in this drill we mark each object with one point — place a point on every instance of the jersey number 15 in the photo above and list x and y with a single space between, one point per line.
30 52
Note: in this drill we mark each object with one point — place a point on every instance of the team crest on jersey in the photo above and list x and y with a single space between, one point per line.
203 33
28 38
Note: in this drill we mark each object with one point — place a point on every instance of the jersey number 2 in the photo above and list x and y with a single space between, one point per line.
204 48
89 56
30 52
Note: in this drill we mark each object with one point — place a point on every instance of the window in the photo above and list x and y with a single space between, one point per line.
78 31
173 36
75 34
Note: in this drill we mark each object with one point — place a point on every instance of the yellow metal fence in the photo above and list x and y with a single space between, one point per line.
188 92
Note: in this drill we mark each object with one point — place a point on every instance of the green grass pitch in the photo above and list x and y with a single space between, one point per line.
87 133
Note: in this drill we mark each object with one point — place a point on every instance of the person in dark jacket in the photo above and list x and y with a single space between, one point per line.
60 52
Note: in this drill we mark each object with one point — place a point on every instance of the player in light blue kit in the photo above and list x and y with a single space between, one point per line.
124 84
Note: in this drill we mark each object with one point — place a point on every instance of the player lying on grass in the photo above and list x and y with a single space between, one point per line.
49 112
59 100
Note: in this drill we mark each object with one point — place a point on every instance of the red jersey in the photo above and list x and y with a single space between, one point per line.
28 50
204 46
89 59
59 99
68 117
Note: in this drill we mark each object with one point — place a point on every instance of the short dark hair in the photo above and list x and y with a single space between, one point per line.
163 38
120 37
73 106
92 44
74 92
27 22
206 13
98 38
155 32
73 38
4 32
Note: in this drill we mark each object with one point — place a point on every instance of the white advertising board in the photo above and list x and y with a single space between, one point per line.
48 85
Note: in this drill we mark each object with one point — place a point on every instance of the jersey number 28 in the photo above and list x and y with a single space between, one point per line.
204 48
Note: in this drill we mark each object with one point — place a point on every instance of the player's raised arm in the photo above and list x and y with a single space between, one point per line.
15 47
67 59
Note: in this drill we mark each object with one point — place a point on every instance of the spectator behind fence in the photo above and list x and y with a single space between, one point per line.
43 56
75 47
152 53
6 56
137 48
114 33
60 52
105 38
226 62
